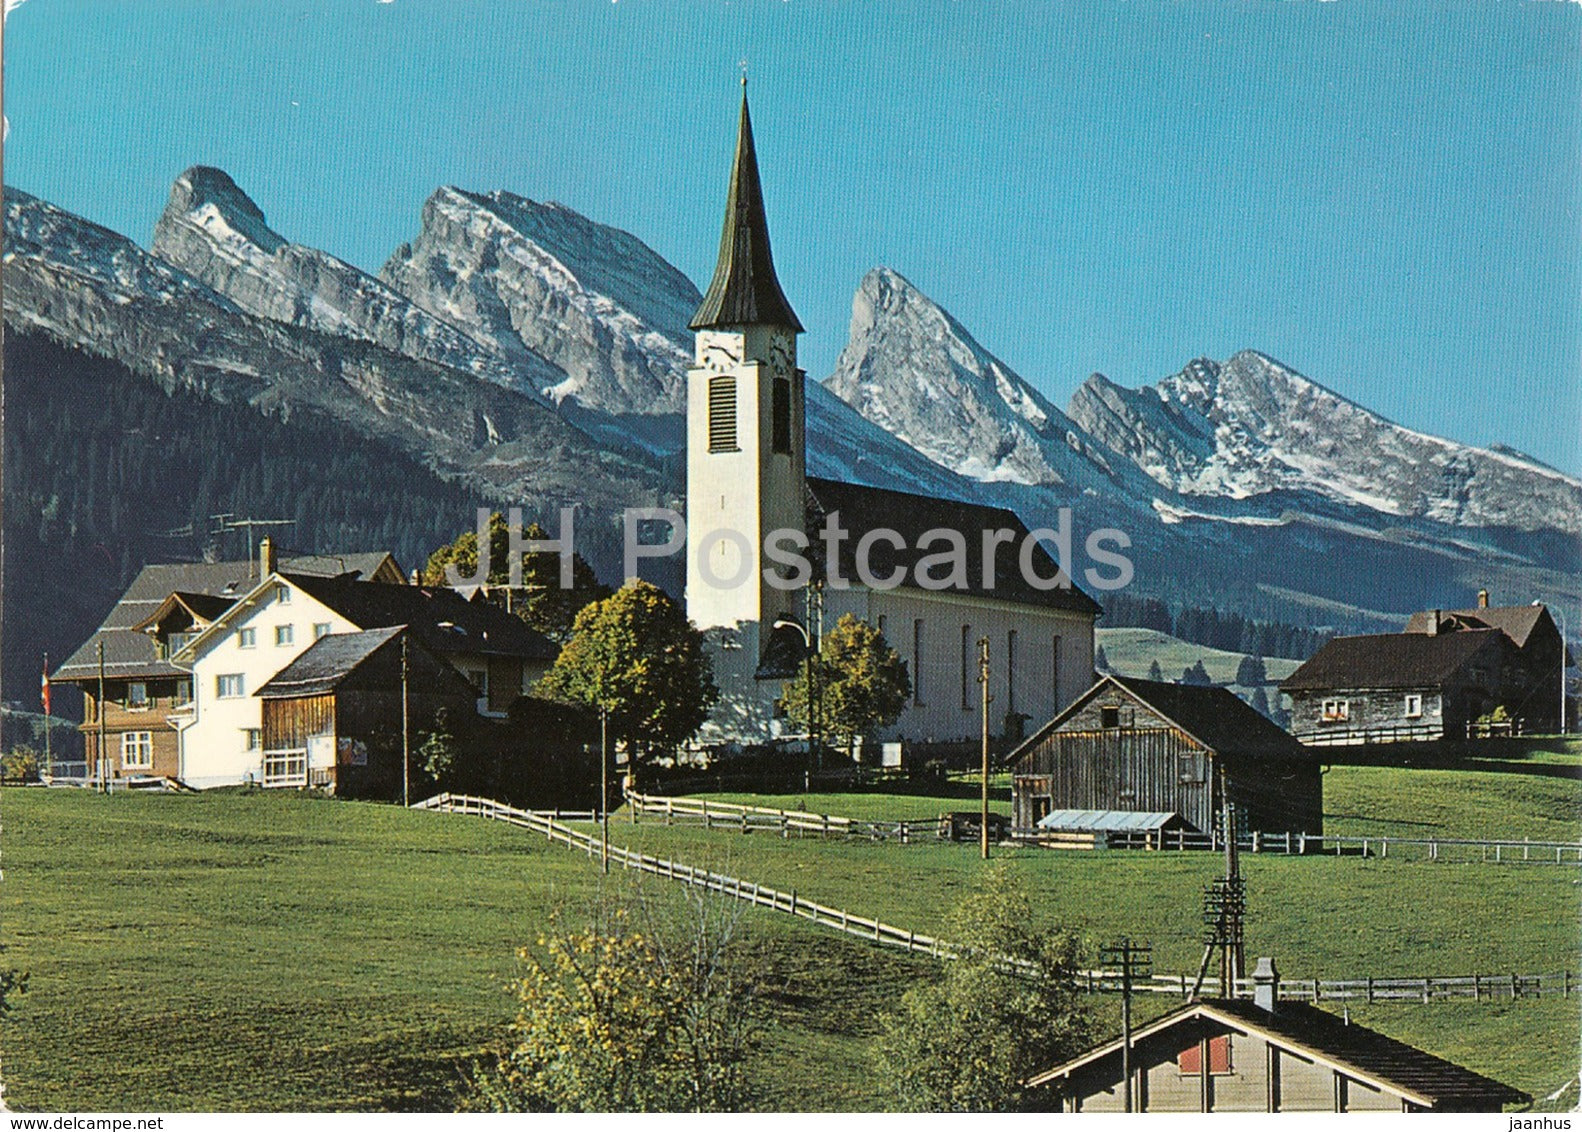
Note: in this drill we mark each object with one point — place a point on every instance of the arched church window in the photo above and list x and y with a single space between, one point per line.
780 416
722 414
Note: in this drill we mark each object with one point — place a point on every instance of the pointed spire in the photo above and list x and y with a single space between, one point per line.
745 290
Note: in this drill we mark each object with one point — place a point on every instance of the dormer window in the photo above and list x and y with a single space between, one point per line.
283 595
1109 717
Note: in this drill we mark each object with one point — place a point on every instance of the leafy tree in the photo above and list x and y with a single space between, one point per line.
436 755
1155 672
1250 673
862 684
641 1010
1260 702
967 1042
637 656
540 600
1196 675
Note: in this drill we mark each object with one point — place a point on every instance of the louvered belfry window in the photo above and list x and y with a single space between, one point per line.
722 414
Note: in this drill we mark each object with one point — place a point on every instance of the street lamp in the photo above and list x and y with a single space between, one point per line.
1560 613
809 651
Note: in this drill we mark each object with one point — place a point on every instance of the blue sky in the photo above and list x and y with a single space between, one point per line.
1385 196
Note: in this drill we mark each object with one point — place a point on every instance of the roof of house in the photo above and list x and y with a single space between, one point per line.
1215 718
1516 621
1317 1034
131 653
439 617
744 290
863 509
1389 660
331 659
203 607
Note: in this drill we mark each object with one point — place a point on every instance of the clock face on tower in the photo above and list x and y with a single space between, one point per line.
720 351
782 353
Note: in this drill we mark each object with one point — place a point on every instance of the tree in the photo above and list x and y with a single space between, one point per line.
1250 673
1196 675
540 600
436 755
967 1042
635 655
644 1008
1155 672
1101 663
1260 702
862 683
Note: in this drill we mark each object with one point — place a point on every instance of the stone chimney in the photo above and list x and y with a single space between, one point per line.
266 556
1433 622
1266 985
1483 599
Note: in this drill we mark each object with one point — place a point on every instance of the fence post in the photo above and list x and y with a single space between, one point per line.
1477 988
1315 989
1301 846
1384 849
793 902
1370 988
1425 991
1525 847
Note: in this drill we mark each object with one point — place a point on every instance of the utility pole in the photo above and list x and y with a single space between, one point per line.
983 682
815 629
406 728
104 784
1224 915
604 788
1135 961
49 761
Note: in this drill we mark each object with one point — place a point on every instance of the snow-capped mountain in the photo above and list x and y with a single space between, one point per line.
90 288
1251 428
214 232
531 280
913 370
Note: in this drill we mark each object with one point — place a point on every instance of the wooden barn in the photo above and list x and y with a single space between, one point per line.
332 717
1140 746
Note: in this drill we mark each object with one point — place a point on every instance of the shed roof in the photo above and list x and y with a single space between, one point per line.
1389 660
863 509
327 663
130 653
1356 1050
1213 717
1108 821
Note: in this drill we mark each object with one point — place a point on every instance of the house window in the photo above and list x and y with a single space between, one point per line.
283 595
1336 711
722 414
179 641
1190 1060
183 692
1414 707
137 696
1109 717
780 416
1010 670
1054 673
137 750
917 662
966 667
321 629
229 686
246 638
284 634
252 739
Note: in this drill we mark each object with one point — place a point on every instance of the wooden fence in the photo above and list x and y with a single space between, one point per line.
911 831
1479 988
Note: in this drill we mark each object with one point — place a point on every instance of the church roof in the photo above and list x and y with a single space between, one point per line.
744 291
863 509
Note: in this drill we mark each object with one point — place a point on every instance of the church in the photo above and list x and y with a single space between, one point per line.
769 545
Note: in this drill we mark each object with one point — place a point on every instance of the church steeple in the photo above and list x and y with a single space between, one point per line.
745 291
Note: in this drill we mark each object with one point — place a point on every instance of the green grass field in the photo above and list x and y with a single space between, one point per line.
275 952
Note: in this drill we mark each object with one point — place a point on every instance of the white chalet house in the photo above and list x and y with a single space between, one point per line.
221 736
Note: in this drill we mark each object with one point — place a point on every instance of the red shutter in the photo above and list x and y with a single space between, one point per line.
1190 1063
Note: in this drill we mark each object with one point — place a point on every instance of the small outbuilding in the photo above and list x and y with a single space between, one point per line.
1268 1055
1176 750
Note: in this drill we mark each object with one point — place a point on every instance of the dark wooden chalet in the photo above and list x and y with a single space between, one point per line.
145 695
1433 681
337 709
1268 1055
1146 747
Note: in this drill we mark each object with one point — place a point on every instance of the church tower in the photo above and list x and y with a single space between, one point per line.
745 414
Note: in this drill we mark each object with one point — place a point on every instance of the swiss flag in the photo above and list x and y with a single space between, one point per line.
43 691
